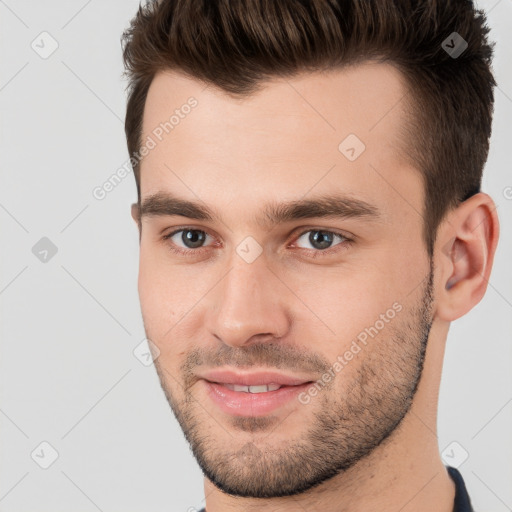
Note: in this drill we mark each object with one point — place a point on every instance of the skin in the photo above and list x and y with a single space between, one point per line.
292 311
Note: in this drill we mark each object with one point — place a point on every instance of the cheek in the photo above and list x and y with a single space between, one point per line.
342 300
350 308
162 298
365 317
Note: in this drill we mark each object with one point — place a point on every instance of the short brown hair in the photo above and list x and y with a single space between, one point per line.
237 44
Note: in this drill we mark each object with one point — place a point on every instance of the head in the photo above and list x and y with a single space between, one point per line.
308 178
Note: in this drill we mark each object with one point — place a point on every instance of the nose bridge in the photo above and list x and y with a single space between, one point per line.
247 303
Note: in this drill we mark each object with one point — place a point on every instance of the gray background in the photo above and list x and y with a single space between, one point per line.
69 325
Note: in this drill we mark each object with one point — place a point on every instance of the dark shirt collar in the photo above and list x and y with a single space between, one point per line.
462 502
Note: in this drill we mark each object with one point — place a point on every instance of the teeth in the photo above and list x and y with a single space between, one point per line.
236 387
263 388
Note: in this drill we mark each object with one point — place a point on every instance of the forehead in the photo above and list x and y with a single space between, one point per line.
337 129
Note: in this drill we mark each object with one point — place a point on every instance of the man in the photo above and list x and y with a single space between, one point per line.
310 222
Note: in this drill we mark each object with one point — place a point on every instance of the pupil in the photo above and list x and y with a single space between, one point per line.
320 239
193 238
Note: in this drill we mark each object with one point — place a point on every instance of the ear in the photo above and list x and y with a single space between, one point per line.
464 252
135 212
136 215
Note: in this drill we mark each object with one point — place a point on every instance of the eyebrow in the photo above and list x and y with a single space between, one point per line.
331 205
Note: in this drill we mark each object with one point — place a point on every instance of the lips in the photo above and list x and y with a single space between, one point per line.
255 393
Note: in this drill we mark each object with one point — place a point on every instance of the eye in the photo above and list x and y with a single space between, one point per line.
186 239
322 240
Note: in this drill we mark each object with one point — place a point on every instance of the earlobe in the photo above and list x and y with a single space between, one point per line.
466 244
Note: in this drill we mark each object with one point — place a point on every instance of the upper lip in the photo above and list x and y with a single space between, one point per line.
253 378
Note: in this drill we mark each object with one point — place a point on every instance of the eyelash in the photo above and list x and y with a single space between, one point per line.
315 253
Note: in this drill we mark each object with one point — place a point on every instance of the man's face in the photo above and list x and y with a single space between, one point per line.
340 300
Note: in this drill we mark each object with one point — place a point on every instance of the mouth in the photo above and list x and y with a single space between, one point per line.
253 394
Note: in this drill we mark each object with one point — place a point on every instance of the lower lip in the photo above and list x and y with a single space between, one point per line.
240 403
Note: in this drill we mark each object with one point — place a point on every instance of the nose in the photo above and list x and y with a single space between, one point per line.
248 305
